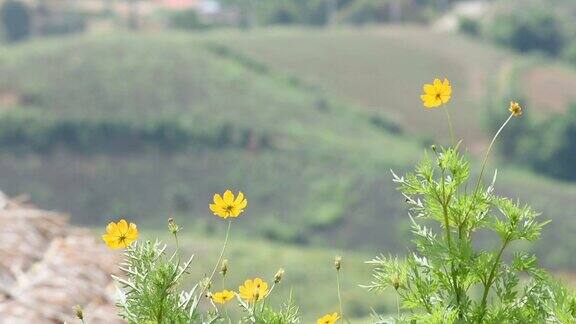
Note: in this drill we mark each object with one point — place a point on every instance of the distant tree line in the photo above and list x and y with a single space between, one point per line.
32 132
19 21
541 26
253 13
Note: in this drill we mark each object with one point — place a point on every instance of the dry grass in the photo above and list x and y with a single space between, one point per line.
47 267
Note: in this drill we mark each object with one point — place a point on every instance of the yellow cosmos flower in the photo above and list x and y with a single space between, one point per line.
437 93
253 290
120 235
223 296
227 205
515 109
328 319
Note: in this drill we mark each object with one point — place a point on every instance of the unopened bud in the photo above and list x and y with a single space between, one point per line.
78 312
172 226
278 276
395 282
338 262
224 267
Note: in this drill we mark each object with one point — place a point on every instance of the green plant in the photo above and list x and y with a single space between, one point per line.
150 292
447 278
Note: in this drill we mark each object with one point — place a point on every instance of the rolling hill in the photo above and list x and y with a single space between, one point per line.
145 126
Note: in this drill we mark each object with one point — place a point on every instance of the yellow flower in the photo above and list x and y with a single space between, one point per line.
328 319
223 296
436 94
253 290
120 235
227 206
515 109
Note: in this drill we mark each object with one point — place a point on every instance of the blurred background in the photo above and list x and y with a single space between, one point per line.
144 108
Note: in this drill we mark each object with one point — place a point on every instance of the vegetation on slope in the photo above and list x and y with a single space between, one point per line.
201 118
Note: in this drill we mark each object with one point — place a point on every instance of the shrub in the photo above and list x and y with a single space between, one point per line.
534 29
16 19
188 20
469 26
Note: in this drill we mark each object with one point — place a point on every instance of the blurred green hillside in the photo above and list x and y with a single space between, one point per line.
144 126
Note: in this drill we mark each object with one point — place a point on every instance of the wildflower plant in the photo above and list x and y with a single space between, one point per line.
149 288
446 277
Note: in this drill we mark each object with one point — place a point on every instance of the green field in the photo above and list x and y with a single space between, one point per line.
383 70
311 146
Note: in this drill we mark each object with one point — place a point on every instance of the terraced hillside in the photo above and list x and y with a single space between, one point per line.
382 68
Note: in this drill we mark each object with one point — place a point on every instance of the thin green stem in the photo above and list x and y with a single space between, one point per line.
219 260
445 201
477 187
489 282
177 248
398 304
339 295
488 153
450 127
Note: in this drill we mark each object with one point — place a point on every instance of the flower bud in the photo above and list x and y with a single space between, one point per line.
338 262
224 267
395 280
278 276
78 312
515 109
172 226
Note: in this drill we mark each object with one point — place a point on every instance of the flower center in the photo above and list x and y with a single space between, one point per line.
438 96
122 238
229 208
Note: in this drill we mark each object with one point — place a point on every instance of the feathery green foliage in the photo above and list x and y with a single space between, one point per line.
446 279
149 291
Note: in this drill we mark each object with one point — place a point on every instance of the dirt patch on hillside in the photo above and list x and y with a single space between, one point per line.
549 88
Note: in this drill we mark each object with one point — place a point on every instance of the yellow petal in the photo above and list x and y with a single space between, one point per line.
243 204
122 244
122 226
132 232
110 241
430 103
228 197
239 198
437 84
111 228
428 89
218 200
